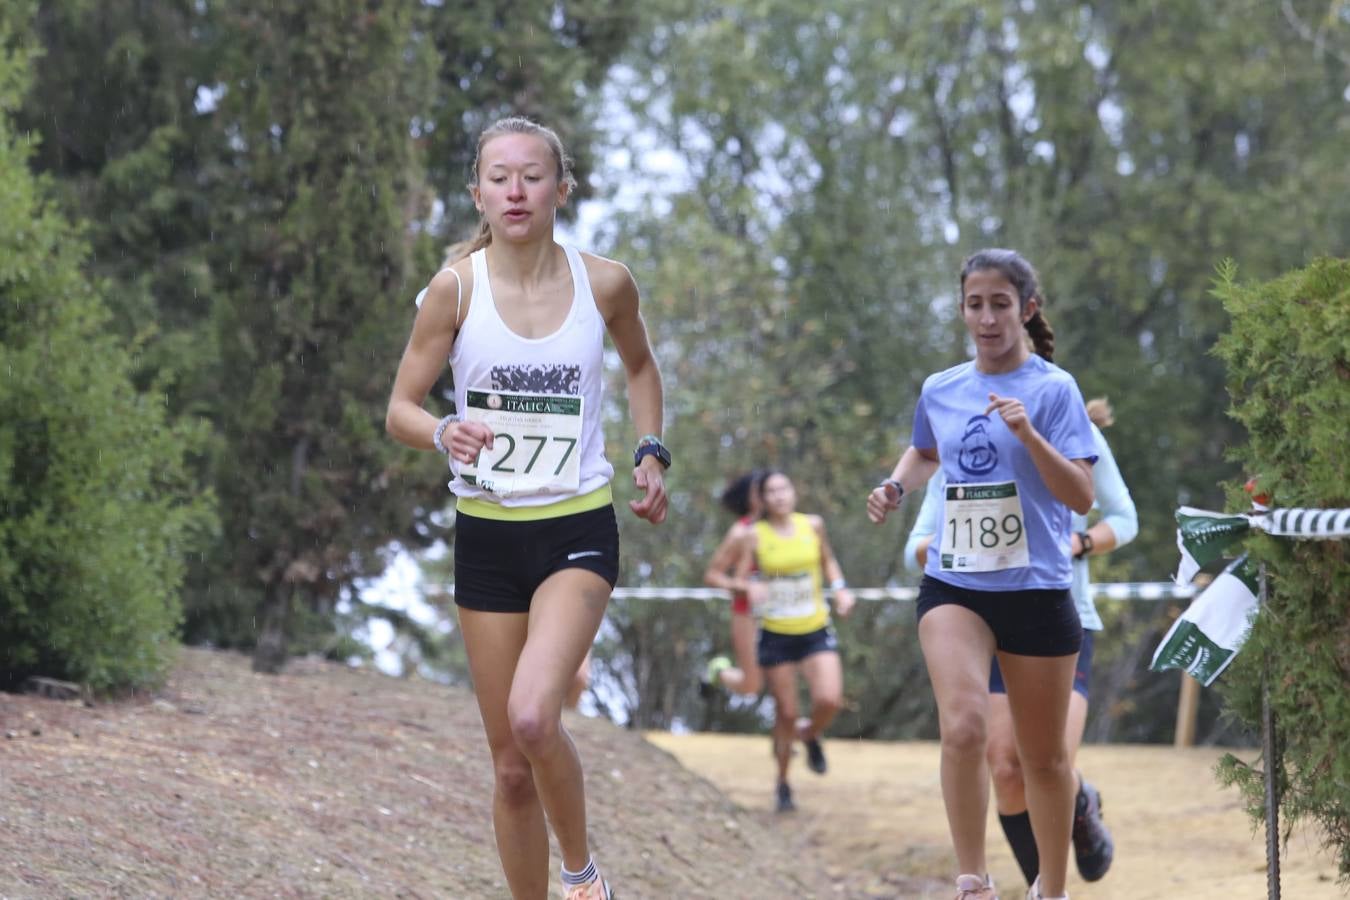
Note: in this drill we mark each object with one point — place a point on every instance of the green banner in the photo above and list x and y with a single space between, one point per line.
1205 638
1203 536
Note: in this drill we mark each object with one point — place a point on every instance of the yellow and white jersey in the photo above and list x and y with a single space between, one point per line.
790 566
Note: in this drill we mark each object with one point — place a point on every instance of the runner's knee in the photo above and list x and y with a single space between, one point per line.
1004 768
515 781
1046 764
534 730
964 732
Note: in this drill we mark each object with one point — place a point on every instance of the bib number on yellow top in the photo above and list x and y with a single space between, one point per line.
790 597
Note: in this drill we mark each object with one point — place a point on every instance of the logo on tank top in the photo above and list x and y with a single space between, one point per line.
547 379
978 454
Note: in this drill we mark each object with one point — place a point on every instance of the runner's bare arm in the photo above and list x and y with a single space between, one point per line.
616 295
912 471
724 558
1070 480
745 564
433 334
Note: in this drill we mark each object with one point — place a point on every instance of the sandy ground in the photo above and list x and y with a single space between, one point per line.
879 810
328 782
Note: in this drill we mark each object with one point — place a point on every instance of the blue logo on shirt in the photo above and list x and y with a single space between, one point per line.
978 456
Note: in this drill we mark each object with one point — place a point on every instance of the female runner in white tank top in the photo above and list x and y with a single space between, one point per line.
522 321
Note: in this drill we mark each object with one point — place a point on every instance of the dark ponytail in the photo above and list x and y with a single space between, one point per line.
1042 335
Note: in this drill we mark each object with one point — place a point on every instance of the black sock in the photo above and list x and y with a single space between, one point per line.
1017 828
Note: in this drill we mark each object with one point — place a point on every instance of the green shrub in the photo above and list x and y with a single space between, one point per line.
95 508
1288 357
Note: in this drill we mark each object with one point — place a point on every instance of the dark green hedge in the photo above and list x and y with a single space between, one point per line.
96 511
1288 357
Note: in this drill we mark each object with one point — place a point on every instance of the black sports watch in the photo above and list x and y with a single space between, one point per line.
651 445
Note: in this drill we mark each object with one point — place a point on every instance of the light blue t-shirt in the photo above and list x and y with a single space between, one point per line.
1113 500
975 448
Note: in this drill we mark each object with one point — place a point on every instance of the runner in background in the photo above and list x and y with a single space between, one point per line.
1093 846
1012 440
522 321
741 498
785 562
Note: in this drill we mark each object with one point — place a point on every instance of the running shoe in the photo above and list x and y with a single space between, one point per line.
708 686
1093 848
785 804
815 756
973 887
595 890
815 753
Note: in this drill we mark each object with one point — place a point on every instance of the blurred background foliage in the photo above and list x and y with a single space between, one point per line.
263 187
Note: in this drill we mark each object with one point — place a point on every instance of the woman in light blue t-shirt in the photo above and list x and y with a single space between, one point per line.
1012 439
1093 847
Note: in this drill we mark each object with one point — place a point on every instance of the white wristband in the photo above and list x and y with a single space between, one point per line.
838 584
440 433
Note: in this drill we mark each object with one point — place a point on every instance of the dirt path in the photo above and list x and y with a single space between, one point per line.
1178 834
327 782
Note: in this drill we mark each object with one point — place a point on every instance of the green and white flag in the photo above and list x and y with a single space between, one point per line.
1205 638
1316 524
1203 536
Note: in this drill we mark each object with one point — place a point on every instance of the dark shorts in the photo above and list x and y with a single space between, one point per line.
776 649
1082 673
499 565
1026 623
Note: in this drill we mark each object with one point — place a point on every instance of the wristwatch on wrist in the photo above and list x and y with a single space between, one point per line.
899 488
1084 545
650 445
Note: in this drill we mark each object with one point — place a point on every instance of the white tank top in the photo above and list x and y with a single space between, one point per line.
488 356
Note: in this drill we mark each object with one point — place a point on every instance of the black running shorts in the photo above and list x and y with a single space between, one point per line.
499 565
776 649
1082 673
1026 623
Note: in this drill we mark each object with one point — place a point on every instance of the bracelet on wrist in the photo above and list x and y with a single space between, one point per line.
838 584
437 438
899 488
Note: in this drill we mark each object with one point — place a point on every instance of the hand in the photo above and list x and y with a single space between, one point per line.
882 500
467 440
843 602
757 592
650 478
1014 415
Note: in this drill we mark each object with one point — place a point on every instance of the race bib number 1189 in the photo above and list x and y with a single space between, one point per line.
983 528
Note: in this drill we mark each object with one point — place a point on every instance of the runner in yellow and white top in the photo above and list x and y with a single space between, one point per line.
522 320
793 558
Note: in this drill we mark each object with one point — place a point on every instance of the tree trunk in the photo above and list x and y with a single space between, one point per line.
269 656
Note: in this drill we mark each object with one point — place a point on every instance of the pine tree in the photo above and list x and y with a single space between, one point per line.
312 304
96 509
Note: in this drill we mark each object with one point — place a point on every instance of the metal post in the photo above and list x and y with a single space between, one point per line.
1270 749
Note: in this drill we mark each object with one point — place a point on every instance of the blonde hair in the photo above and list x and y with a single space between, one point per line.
1100 412
510 125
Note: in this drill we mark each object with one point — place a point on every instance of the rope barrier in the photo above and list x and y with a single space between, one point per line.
1138 590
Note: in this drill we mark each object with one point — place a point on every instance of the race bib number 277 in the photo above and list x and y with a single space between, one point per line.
536 444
